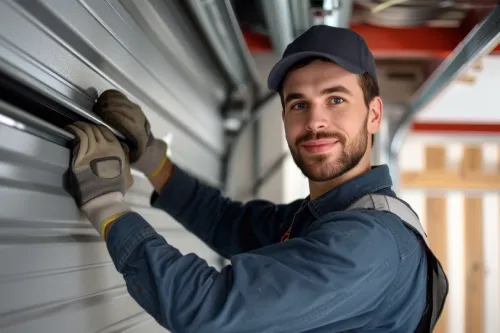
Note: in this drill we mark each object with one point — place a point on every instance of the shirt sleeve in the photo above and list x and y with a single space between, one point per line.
228 227
335 277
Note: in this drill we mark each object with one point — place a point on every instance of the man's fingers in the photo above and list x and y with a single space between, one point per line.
92 135
129 180
112 100
126 126
125 148
80 137
108 135
112 93
96 130
114 104
87 129
129 114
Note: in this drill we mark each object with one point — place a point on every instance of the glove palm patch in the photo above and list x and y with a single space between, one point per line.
106 167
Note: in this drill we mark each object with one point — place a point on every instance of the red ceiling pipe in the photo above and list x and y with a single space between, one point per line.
441 127
426 42
257 42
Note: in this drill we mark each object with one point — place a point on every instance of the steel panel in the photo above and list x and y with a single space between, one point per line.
56 273
70 50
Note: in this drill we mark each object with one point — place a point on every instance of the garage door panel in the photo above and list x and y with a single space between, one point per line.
78 279
57 275
94 313
97 49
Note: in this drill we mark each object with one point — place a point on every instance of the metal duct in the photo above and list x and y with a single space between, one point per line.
481 40
219 23
279 23
339 12
301 16
399 15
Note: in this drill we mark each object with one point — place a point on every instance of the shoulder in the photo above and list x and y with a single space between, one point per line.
359 234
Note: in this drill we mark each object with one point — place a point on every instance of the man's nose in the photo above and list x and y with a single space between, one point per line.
317 118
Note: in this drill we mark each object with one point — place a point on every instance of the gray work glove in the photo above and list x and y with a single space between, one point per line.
147 154
100 174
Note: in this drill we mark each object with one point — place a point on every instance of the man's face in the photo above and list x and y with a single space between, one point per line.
327 123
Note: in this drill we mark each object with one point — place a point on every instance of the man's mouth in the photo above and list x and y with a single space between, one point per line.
319 146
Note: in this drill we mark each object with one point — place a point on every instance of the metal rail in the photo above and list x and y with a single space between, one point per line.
54 95
14 117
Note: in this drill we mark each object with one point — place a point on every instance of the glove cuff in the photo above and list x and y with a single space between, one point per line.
153 159
104 209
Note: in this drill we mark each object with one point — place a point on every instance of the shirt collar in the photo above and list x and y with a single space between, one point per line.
342 196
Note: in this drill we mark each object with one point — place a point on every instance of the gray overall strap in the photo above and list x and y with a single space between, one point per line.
393 205
437 282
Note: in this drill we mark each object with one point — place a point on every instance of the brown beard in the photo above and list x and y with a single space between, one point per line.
320 168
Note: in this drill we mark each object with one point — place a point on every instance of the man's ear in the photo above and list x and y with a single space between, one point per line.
375 113
283 115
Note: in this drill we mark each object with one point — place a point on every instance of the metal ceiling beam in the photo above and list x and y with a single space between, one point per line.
482 39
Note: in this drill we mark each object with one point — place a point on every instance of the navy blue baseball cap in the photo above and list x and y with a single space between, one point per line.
343 46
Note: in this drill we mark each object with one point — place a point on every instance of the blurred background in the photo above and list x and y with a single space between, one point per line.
199 68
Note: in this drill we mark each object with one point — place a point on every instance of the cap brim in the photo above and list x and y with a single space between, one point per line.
283 66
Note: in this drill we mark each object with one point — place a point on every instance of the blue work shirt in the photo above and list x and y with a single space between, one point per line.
341 271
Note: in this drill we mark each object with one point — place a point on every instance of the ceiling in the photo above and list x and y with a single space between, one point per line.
408 38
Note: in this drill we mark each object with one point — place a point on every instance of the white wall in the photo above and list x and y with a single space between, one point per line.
272 146
240 170
463 102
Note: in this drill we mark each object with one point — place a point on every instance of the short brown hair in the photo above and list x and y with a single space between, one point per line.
368 84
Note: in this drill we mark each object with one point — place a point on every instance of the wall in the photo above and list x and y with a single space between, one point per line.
272 147
240 168
468 102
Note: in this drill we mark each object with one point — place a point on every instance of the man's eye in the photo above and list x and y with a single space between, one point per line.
337 100
299 105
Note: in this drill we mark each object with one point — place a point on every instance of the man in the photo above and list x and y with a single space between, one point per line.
308 266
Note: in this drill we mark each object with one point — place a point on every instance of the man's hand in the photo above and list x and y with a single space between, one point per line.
100 174
147 154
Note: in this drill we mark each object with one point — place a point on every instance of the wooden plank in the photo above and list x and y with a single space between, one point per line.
435 160
453 180
436 234
472 160
473 256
